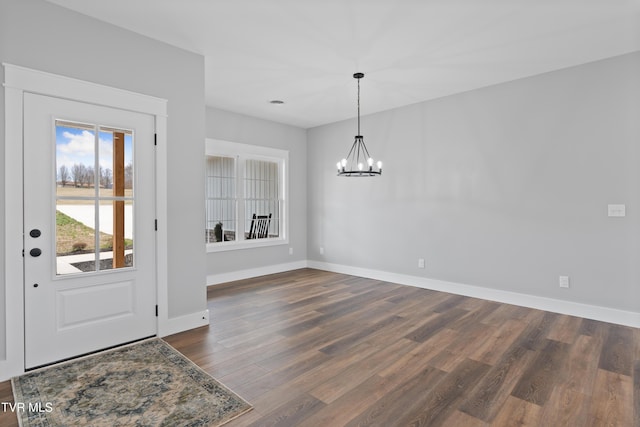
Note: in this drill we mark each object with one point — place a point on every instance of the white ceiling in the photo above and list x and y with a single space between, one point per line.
305 52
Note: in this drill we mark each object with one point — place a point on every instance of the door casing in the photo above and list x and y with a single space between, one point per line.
19 80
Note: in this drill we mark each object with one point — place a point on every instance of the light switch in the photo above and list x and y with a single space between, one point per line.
616 210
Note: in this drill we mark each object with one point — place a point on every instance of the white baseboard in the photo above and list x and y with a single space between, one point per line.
15 366
184 323
604 314
10 369
216 279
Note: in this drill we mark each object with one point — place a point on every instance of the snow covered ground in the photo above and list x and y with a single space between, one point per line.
85 214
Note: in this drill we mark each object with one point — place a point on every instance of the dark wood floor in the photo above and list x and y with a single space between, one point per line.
313 348
316 348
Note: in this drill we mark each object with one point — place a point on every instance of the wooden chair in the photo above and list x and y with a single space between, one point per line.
259 227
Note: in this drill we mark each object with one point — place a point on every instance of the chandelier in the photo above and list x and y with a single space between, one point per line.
358 162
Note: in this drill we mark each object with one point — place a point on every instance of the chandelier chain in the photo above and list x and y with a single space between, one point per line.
358 106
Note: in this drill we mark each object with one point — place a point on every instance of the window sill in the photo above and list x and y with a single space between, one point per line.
245 244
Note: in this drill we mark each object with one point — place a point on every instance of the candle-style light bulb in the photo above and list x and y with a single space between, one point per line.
338 165
379 164
344 162
370 161
360 166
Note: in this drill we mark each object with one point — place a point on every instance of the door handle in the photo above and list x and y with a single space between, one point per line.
35 252
35 233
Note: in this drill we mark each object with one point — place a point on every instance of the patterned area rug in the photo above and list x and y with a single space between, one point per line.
144 384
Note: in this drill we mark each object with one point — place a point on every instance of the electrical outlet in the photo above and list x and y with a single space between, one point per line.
563 281
290 251
420 262
616 210
321 250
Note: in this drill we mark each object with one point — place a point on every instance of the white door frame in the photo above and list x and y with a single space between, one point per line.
18 80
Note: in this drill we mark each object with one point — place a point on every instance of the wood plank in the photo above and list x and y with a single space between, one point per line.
537 382
285 374
466 341
417 360
348 341
409 395
487 398
592 328
352 404
333 366
434 326
446 395
518 412
609 403
356 374
494 347
535 336
461 419
617 351
475 315
411 295
580 370
292 413
565 329
449 303
507 312
566 407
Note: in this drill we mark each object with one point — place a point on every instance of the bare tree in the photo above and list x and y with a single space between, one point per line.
77 172
89 176
128 176
64 175
106 177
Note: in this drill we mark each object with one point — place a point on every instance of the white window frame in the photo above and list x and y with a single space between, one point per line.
242 152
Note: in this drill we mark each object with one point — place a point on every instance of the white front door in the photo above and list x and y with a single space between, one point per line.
89 237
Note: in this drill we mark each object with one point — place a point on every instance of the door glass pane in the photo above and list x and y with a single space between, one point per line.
94 197
75 159
75 237
116 148
121 240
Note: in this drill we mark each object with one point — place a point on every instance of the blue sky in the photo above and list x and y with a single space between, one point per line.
74 145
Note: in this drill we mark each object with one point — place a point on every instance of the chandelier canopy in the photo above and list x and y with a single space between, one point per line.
358 162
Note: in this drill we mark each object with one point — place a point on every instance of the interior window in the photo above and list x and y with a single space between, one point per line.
245 195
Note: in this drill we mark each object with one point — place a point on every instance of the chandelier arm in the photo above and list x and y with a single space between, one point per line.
351 151
364 148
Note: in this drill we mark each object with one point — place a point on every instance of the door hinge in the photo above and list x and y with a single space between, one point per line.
156 310
23 253
155 139
156 224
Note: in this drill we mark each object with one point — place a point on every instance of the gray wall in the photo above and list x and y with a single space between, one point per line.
505 187
40 35
234 127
